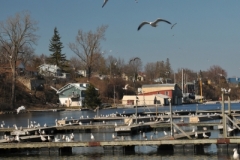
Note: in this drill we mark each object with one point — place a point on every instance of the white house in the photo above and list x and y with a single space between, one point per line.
72 94
52 70
82 73
145 100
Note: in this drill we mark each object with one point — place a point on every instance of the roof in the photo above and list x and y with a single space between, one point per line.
158 85
80 86
146 97
70 85
234 80
49 66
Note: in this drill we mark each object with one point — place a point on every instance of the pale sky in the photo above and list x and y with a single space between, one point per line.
206 34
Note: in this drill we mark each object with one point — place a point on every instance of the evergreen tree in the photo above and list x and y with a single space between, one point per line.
92 99
57 58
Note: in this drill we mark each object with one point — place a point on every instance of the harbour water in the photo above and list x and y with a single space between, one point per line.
98 153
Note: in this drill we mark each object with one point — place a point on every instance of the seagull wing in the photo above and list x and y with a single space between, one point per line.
173 25
105 1
136 58
140 26
161 20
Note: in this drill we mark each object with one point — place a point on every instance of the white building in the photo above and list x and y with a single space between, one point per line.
145 100
52 70
72 94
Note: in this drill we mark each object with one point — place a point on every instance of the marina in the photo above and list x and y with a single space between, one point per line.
130 132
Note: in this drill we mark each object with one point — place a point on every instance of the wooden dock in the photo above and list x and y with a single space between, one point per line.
119 143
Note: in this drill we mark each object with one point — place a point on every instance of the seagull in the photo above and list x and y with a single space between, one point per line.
235 154
104 3
173 25
153 24
230 129
114 137
151 137
125 88
72 136
20 108
165 133
204 135
43 138
175 131
92 137
17 138
56 139
196 135
144 135
49 139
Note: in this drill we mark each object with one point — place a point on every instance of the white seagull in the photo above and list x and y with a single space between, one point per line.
43 138
196 135
229 129
104 3
20 108
56 139
153 24
204 135
92 137
125 88
235 154
165 133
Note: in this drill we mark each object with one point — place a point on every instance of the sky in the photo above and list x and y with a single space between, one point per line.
206 34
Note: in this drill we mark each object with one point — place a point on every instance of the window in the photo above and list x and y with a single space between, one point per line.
166 93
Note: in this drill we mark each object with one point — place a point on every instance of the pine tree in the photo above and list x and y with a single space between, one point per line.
57 58
92 99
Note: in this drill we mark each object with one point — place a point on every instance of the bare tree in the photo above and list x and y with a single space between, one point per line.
150 71
28 55
87 47
215 73
15 33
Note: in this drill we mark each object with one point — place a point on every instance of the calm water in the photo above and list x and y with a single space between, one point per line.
97 153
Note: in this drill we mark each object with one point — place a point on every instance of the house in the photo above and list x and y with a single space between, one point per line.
81 73
49 70
72 94
141 76
173 91
234 80
125 77
52 70
145 100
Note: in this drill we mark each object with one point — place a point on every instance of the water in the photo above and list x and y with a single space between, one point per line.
97 153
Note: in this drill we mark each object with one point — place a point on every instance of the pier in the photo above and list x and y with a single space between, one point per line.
194 145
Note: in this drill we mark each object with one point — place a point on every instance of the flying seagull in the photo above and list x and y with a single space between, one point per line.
153 24
173 25
105 1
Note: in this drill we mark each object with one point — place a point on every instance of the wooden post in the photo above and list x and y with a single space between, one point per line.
229 105
223 116
171 121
